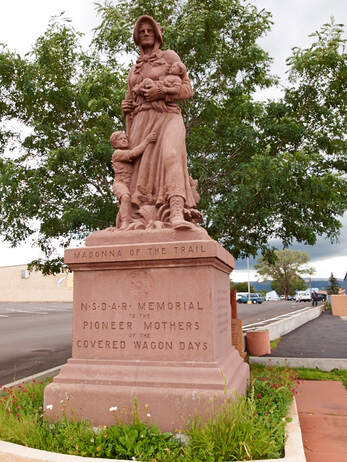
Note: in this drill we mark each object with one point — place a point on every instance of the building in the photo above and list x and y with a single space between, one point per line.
17 284
272 295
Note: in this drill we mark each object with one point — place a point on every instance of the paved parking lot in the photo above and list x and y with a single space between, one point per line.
323 337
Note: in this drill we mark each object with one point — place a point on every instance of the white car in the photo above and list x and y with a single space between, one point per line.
303 297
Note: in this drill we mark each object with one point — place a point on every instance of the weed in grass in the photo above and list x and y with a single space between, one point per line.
245 428
274 343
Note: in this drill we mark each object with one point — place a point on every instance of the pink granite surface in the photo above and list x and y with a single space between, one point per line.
151 321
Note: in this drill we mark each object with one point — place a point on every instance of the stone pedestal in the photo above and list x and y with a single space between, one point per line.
151 322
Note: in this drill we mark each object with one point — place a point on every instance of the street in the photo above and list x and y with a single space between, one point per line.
253 313
37 336
33 337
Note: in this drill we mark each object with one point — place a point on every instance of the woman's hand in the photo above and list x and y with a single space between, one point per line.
127 106
153 94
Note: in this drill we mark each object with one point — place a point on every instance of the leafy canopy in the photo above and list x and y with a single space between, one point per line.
266 170
334 286
241 287
285 271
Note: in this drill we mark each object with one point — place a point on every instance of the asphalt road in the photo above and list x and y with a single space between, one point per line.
37 336
33 337
260 312
323 337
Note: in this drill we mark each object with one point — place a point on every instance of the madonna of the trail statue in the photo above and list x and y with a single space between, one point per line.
151 300
161 192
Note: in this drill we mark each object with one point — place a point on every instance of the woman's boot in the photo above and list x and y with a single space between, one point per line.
176 214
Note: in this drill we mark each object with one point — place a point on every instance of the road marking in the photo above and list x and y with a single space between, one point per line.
26 311
3 316
266 321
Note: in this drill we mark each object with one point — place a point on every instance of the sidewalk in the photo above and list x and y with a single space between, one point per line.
322 405
322 409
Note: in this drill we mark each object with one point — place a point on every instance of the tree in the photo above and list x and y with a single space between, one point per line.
241 287
334 286
297 284
285 271
265 170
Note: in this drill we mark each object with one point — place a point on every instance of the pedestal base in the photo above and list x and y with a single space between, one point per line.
166 394
151 322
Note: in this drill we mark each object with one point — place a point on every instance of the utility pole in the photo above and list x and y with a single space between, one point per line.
249 294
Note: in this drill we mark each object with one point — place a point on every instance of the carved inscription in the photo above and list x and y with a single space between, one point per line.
143 252
162 306
140 326
223 309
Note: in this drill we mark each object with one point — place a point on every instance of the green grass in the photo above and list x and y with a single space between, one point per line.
246 428
316 374
301 373
274 343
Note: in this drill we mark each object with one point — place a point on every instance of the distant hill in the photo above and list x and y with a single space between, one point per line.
321 284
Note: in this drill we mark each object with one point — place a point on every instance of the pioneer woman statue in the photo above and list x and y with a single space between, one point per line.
162 192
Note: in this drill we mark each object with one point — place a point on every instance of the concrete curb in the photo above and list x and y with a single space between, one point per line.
324 364
39 376
283 326
10 452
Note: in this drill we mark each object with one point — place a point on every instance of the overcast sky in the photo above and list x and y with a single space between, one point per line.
22 21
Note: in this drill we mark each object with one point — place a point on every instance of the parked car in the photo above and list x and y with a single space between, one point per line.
321 297
303 296
242 299
291 298
257 298
254 298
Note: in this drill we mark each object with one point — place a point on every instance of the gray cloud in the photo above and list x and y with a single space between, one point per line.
322 250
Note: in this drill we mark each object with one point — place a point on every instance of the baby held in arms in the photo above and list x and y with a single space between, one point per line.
169 84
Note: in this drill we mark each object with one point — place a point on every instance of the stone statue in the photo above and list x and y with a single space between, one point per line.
122 161
156 277
159 193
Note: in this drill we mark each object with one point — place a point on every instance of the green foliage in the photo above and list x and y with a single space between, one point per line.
274 343
296 284
285 270
245 428
327 306
266 170
334 286
241 287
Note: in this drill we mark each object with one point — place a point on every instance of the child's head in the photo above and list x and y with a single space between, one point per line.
148 83
178 68
119 139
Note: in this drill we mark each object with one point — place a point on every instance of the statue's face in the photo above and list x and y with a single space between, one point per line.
122 141
146 34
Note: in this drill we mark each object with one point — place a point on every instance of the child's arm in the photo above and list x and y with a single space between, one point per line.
128 155
138 150
122 155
